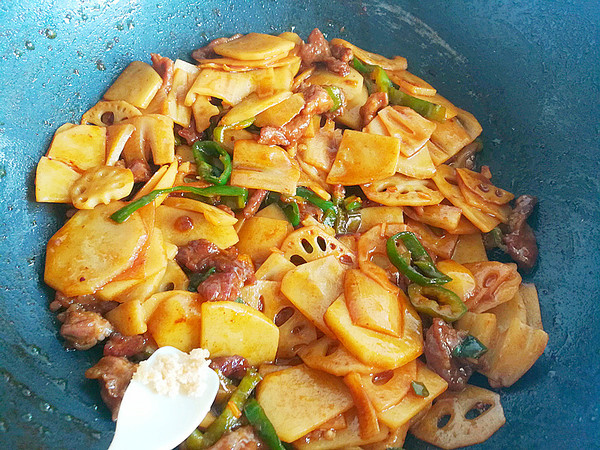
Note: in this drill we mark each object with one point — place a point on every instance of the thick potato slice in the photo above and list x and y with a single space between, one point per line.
374 348
371 305
469 249
364 158
259 235
203 110
440 216
529 295
251 106
273 211
128 318
386 389
167 217
411 83
101 184
230 328
461 430
80 146
174 319
91 249
313 286
330 356
419 165
446 180
351 116
394 64
480 325
412 404
400 190
281 113
254 46
53 181
313 242
463 282
258 166
274 268
231 87
137 85
367 416
319 151
153 133
347 438
375 215
495 283
450 137
211 213
316 398
116 138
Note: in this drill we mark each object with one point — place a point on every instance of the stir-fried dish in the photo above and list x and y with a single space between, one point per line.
312 215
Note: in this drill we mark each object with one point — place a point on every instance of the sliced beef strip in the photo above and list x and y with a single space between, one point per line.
375 102
254 203
440 341
83 329
119 345
114 374
317 50
243 438
230 366
520 242
190 133
141 170
165 68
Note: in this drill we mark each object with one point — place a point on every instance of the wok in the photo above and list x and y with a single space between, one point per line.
528 70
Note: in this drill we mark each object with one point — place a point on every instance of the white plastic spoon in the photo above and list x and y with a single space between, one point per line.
153 421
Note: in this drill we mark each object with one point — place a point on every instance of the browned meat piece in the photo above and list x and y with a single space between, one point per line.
338 191
230 366
287 134
114 374
466 157
140 169
165 68
520 242
83 329
207 51
375 102
307 209
190 134
317 50
344 54
243 438
273 136
440 340
232 272
87 302
119 345
254 203
227 209
336 66
316 99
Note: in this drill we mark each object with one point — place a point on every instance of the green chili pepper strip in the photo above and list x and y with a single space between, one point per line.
310 196
470 347
352 203
436 301
261 423
123 214
219 132
204 152
228 420
427 109
419 389
363 68
292 212
425 273
336 95
382 81
330 217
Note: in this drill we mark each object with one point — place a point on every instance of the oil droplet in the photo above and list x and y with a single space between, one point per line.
84 16
3 427
68 18
50 33
100 65
17 53
109 45
46 407
2 172
26 392
29 45
119 27
27 417
130 25
68 418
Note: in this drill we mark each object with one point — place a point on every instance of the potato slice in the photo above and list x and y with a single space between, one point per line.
450 136
116 138
251 106
230 328
175 319
347 438
313 286
231 87
351 117
316 396
101 184
375 215
176 108
419 165
80 146
254 46
174 278
137 85
313 242
364 158
91 249
281 113
167 217
367 416
153 133
330 356
274 268
508 311
163 178
259 235
386 389
128 318
400 190
445 180
469 249
411 83
370 305
440 216
319 151
480 325
407 125
396 63
213 214
495 283
53 181
374 348
203 110
461 430
463 282
412 404
107 113
395 439
258 166
437 242
529 295
272 211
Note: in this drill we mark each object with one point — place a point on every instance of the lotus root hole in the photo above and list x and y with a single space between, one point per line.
381 378
443 421
297 260
332 348
170 286
283 316
308 248
477 410
321 243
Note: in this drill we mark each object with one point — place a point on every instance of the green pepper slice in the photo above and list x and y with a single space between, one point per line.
292 212
313 198
352 203
261 423
363 68
228 419
417 265
336 95
206 155
436 301
123 214
382 81
219 132
470 347
419 389
423 107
